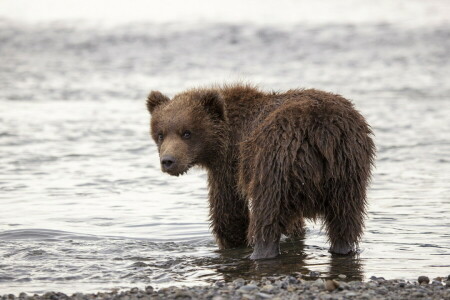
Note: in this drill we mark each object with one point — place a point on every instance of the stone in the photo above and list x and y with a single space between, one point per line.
436 282
264 295
238 282
314 274
318 283
248 288
268 288
423 280
331 285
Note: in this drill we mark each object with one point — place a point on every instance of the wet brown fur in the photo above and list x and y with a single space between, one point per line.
272 159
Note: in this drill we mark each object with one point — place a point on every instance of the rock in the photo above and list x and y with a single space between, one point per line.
331 285
291 288
149 289
447 284
248 288
314 274
264 295
268 288
382 290
423 280
318 283
417 295
401 284
291 280
343 286
238 282
183 294
436 282
342 276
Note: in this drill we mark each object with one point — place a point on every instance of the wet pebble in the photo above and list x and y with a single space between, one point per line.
314 274
423 280
248 288
267 288
331 285
238 282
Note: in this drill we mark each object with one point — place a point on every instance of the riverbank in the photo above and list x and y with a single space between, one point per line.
274 287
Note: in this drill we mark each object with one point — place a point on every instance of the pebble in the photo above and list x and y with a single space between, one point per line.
423 279
342 276
267 288
314 274
264 295
239 282
248 287
319 283
331 285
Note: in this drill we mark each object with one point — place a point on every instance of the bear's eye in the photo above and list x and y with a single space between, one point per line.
160 136
186 134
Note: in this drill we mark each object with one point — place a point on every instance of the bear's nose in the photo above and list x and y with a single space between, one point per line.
167 162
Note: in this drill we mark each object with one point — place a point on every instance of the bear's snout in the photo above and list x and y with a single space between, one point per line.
168 162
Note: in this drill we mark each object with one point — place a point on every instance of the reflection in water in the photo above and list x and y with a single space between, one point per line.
234 263
348 265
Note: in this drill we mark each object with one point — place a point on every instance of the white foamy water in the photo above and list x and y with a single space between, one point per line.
83 205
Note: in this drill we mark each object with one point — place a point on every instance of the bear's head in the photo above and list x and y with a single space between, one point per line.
188 130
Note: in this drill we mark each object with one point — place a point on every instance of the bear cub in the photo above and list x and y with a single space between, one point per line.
272 159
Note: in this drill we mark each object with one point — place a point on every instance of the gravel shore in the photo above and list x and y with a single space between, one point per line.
288 287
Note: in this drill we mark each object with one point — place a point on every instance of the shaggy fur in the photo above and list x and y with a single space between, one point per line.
272 160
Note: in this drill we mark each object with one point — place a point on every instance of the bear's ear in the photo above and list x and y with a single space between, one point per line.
155 99
213 104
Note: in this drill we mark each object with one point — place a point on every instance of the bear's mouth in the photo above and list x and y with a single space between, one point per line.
181 170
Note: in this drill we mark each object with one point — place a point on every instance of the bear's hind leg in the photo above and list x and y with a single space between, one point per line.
345 219
267 186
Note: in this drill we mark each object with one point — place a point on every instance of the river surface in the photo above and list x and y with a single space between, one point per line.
83 204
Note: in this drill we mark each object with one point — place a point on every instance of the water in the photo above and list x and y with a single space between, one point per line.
83 205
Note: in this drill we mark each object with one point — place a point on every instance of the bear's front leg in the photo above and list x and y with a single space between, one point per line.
228 212
230 230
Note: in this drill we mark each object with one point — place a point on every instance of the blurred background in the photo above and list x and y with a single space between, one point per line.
83 205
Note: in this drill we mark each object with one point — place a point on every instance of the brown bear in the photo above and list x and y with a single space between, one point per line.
272 159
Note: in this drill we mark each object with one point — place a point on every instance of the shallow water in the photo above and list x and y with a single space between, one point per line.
83 205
